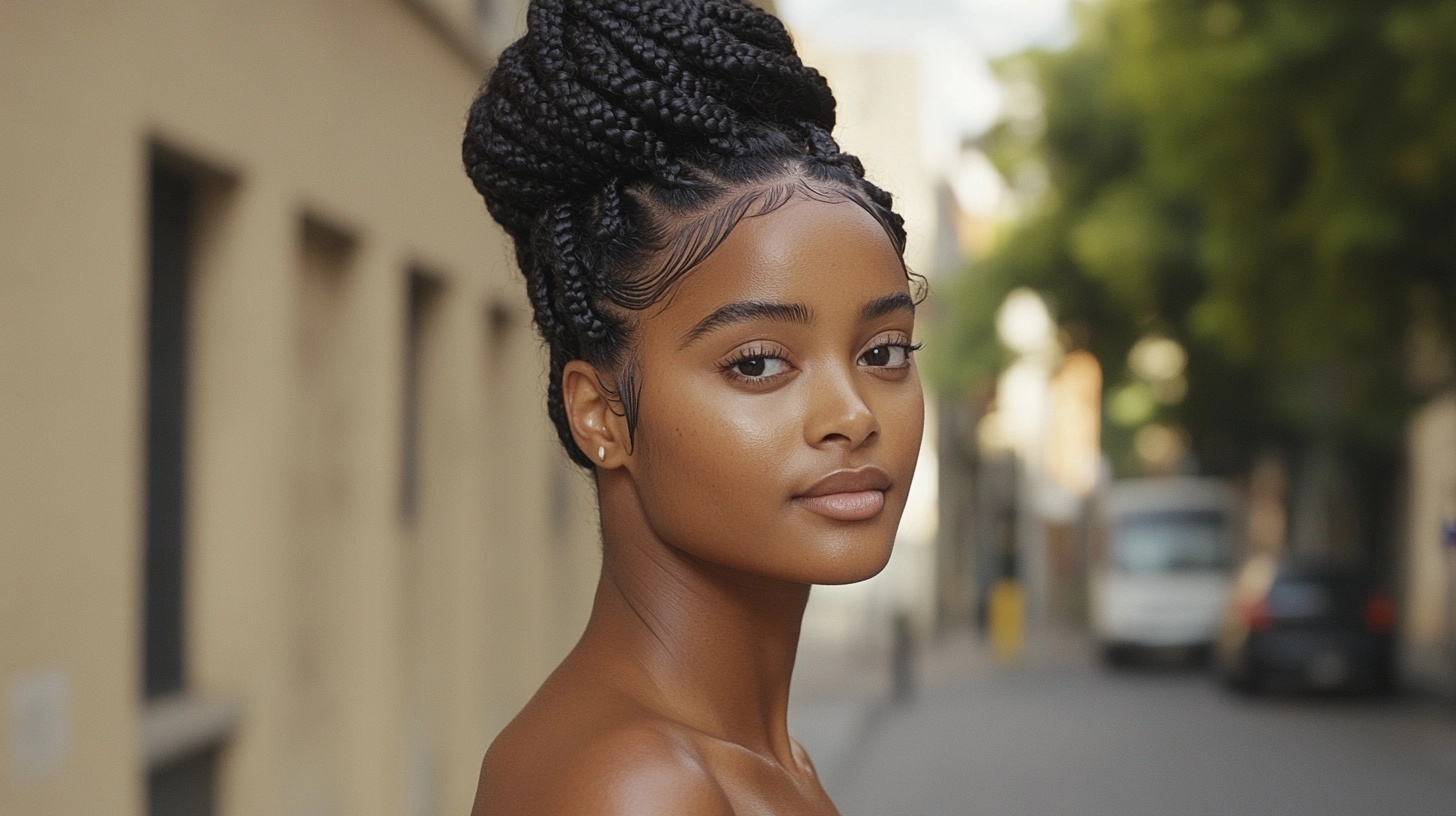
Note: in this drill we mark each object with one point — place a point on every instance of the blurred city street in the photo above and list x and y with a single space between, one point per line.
288 530
1060 734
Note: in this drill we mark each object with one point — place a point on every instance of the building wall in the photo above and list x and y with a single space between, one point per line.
1429 621
879 117
363 625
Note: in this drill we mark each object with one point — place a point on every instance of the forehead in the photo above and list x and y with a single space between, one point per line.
808 251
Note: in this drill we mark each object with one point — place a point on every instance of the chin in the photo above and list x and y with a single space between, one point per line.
861 563
851 577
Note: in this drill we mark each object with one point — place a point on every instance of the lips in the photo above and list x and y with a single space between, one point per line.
847 495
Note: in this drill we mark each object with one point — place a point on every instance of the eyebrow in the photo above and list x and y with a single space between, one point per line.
887 305
745 311
749 310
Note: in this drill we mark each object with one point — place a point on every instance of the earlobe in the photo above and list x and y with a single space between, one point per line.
590 410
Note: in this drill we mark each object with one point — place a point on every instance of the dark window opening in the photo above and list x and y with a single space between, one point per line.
423 295
183 788
173 199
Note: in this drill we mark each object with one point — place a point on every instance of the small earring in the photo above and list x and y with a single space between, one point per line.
602 453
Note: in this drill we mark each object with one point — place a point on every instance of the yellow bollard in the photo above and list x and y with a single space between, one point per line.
1007 622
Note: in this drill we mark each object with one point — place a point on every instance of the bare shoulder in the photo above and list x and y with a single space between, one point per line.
643 769
640 767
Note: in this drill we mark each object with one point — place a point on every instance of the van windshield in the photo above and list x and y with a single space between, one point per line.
1171 541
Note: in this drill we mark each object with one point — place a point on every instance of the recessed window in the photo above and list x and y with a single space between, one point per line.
423 300
172 213
183 788
181 738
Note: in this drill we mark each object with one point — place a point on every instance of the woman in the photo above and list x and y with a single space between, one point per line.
730 329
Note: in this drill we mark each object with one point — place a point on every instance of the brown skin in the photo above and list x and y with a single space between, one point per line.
675 699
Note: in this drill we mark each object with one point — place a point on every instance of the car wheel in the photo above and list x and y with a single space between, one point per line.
1200 656
1383 684
1116 655
1242 678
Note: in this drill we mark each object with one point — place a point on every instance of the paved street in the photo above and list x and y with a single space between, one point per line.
1060 736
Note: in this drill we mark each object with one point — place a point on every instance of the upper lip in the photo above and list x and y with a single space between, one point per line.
849 481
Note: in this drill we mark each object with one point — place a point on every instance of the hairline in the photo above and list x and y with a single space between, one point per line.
679 257
712 226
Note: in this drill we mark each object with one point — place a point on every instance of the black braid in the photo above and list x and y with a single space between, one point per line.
573 275
619 141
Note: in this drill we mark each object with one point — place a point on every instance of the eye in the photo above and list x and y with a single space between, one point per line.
888 355
758 368
758 363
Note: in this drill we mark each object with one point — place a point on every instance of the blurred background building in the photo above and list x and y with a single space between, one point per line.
283 529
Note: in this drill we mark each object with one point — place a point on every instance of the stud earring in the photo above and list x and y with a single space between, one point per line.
602 453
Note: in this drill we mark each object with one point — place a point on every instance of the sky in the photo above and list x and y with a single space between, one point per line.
992 27
955 39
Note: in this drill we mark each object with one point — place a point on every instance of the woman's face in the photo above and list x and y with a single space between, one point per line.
781 412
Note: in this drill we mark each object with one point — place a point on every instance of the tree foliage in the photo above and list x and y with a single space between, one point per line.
1272 182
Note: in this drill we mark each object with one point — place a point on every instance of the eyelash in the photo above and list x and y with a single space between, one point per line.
729 366
910 348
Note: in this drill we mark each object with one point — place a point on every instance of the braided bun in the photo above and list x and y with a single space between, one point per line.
622 135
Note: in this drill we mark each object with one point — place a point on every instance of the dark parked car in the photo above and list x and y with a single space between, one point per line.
1306 625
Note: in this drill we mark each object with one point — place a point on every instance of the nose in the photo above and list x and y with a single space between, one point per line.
838 413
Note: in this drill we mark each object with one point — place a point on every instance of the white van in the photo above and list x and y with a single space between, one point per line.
1161 573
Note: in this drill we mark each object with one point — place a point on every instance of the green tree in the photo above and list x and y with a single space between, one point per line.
1271 182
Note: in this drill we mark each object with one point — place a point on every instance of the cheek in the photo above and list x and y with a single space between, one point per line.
901 413
907 417
712 462
713 469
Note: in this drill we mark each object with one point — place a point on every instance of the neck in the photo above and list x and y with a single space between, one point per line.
700 643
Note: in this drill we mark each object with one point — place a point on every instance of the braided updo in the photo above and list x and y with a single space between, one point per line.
619 141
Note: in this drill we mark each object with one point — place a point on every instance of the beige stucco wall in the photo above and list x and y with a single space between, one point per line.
879 120
372 659
1429 627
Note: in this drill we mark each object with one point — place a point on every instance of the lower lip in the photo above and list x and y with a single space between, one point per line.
861 505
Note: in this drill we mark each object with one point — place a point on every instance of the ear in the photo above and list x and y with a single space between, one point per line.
594 412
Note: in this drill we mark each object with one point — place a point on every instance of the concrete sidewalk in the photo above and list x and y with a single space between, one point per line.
843 689
1056 733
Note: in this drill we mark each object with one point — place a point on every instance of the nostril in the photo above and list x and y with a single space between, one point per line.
837 412
851 428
